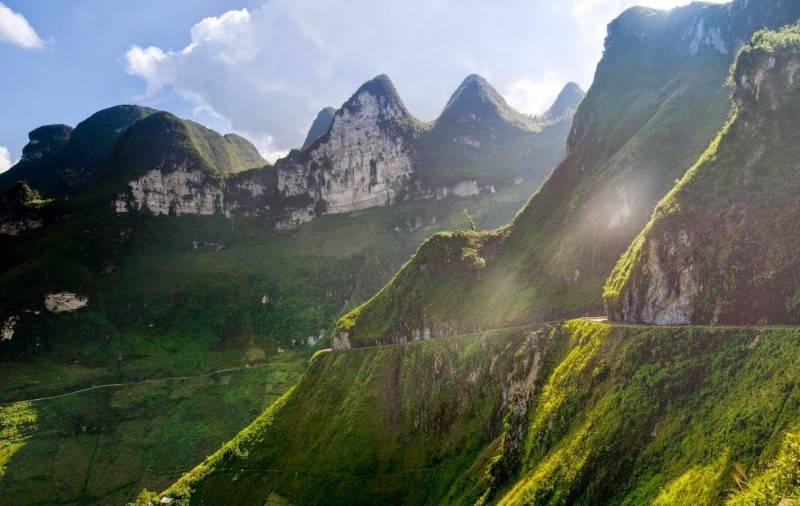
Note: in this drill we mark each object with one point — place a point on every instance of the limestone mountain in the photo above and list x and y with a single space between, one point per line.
719 248
567 102
652 110
320 126
175 166
480 139
59 160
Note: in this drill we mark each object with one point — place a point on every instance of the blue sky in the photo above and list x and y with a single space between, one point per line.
263 68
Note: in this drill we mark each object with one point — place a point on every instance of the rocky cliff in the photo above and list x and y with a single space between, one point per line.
373 152
718 247
657 100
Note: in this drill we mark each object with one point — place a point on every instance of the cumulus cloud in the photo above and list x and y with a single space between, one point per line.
15 29
267 72
5 159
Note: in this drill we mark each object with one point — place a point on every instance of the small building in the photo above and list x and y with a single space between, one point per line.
166 501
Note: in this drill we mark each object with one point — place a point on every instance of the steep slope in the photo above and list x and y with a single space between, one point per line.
580 413
652 110
720 246
320 126
173 296
60 161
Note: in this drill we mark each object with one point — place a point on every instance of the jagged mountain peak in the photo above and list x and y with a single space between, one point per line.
475 100
567 101
475 96
475 86
382 90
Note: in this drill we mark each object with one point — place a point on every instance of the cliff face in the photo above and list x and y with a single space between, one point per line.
657 100
364 160
717 248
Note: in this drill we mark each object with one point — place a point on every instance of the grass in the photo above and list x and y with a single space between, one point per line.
615 415
104 446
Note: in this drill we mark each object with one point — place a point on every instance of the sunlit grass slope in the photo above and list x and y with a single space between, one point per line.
565 413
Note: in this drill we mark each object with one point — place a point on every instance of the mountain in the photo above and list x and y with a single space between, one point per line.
652 110
718 248
567 101
480 140
172 263
60 161
374 153
320 126
574 413
175 166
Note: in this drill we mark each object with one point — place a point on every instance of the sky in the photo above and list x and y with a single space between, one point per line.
264 68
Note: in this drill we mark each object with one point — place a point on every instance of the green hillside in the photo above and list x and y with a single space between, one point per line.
719 247
180 296
651 112
580 412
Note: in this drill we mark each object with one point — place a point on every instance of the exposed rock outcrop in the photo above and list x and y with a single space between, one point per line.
371 152
64 302
18 211
174 193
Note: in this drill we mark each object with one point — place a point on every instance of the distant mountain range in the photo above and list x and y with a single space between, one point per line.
370 152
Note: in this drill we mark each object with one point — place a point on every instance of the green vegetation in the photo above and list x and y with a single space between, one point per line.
651 112
63 161
479 137
787 38
165 141
611 415
179 297
732 216
103 446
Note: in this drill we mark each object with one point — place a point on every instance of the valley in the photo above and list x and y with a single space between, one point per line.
595 304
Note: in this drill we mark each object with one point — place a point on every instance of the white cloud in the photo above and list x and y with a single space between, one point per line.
266 72
15 29
5 159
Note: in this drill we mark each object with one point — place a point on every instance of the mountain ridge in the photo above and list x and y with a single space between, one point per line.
628 144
